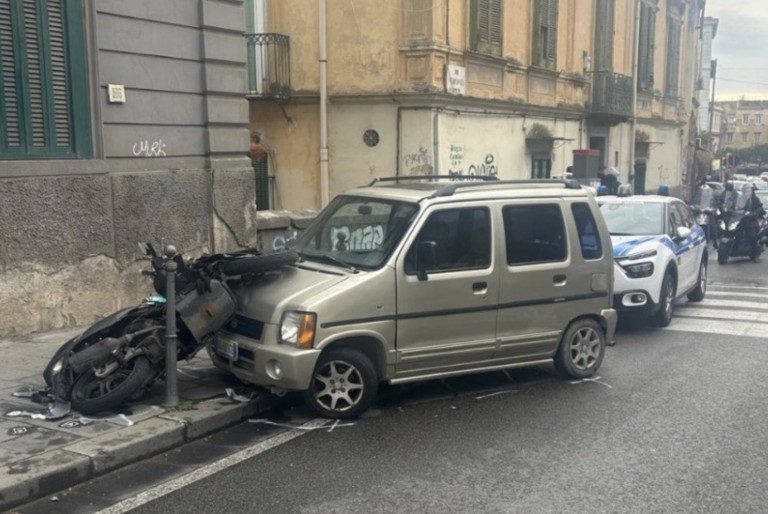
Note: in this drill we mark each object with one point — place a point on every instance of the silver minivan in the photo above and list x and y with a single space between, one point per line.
417 278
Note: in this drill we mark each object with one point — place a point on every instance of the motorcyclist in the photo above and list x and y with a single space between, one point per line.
754 207
704 201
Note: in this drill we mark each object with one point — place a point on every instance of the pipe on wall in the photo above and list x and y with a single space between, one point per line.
635 69
323 61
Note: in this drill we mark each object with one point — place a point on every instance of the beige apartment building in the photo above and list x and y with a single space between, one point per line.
492 87
745 123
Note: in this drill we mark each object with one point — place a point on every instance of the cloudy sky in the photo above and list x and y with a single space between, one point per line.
741 47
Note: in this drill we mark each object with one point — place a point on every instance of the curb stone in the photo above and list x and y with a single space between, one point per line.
46 473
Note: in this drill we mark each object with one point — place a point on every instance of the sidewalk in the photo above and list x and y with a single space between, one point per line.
38 457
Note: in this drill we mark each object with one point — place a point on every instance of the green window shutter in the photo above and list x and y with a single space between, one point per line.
604 31
485 26
537 32
10 111
551 56
651 46
646 48
43 90
673 58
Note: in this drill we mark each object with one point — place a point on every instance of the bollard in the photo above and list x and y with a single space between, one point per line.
171 351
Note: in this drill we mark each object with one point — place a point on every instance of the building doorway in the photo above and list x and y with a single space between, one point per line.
599 143
542 166
639 182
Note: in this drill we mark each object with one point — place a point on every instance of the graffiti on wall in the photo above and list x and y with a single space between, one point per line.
419 162
282 242
146 148
362 238
486 168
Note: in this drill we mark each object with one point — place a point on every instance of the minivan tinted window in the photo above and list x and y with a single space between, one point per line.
589 237
462 240
534 234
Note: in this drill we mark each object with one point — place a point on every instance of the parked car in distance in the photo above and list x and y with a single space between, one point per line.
660 254
420 278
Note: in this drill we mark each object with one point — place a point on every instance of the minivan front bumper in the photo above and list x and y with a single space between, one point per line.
276 366
611 318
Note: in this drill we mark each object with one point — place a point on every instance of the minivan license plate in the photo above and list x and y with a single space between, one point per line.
227 348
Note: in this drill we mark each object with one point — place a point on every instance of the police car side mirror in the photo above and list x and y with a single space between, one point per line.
683 233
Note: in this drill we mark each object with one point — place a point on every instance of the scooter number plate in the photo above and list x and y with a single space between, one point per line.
227 348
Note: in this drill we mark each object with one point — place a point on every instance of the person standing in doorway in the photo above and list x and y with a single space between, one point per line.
259 152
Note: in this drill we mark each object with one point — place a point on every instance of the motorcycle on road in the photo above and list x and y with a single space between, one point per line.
742 234
119 358
706 213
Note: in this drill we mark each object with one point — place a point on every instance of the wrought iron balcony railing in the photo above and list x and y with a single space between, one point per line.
611 95
269 65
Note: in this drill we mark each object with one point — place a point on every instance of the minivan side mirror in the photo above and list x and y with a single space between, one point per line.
683 233
425 258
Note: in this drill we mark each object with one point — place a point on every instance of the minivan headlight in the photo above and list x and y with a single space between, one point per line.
298 328
639 270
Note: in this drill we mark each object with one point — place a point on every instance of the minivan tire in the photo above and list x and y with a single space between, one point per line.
663 317
330 394
581 350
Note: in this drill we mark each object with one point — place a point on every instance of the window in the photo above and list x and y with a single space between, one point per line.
355 231
684 215
745 137
485 26
759 119
646 47
541 166
757 138
43 89
745 119
604 27
545 33
729 137
462 240
675 221
589 236
673 57
534 234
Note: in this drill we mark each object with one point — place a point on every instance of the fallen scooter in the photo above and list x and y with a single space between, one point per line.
119 358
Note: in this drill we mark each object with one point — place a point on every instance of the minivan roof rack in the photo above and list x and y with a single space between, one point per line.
481 178
451 189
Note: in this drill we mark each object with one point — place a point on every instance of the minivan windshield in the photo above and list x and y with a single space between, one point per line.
356 232
634 218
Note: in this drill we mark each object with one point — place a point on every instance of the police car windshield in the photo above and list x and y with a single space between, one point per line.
634 218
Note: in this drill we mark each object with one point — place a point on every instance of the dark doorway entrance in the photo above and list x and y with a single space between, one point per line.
542 166
598 143
639 185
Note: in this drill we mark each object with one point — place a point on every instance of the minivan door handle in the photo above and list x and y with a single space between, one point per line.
480 287
559 280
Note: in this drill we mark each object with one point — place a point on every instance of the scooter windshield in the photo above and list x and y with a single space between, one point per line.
704 198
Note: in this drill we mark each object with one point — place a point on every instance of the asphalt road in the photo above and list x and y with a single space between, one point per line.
677 421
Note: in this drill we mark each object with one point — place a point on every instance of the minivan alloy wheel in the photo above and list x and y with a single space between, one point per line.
339 386
585 348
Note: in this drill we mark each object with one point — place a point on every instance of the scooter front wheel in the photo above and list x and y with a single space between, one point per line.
92 394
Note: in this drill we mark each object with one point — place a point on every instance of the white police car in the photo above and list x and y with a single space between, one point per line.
659 252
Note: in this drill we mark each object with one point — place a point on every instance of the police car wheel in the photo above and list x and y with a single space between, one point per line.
663 317
697 294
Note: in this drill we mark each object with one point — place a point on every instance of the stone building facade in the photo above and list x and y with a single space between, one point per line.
85 174
502 87
745 123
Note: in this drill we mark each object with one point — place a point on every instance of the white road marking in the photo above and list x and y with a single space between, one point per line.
746 288
685 310
730 294
726 327
758 306
211 469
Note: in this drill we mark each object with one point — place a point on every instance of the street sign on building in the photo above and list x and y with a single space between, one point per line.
455 79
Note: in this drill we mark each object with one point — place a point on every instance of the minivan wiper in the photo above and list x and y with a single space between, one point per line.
330 258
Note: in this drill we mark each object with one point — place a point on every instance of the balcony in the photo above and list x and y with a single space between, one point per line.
611 97
269 66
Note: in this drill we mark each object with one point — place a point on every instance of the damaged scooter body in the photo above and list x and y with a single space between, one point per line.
121 356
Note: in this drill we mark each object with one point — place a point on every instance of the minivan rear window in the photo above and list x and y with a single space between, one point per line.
534 234
589 237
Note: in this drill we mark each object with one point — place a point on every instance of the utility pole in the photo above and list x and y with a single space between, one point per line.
713 76
323 61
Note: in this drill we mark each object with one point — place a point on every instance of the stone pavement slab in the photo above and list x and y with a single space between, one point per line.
38 457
